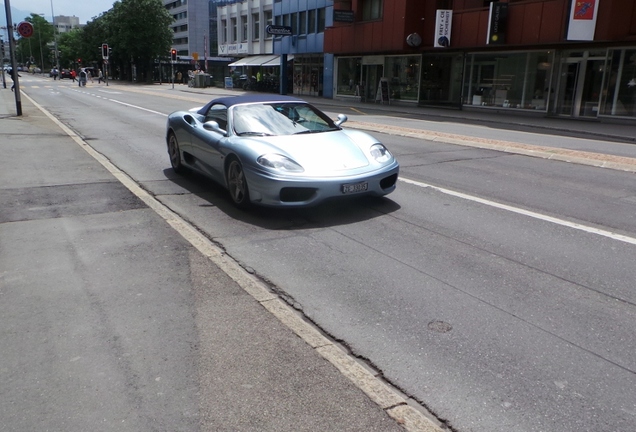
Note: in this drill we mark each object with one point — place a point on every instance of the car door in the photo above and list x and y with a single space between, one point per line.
205 144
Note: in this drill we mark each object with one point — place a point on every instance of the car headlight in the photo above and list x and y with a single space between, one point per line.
380 153
279 162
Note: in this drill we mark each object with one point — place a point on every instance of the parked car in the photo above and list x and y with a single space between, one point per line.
65 73
278 151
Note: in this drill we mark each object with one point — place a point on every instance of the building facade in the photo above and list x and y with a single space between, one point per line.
64 24
311 72
552 57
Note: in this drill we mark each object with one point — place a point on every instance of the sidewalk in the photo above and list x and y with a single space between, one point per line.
115 320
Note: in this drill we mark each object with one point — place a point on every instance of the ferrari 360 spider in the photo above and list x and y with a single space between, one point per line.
278 151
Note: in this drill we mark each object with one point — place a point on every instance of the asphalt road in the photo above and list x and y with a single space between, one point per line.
495 289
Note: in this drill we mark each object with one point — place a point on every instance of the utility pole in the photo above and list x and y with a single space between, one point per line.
14 67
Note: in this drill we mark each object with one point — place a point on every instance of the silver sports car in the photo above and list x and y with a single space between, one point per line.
278 151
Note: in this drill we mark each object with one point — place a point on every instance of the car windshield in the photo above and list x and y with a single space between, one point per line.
282 118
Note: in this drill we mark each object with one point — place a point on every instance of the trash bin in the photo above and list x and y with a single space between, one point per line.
208 80
199 80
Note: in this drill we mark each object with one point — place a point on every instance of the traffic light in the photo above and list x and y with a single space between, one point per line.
105 51
1 48
173 54
79 60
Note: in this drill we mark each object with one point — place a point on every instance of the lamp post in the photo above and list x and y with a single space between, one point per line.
41 54
57 62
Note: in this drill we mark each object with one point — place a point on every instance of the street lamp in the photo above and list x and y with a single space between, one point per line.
41 54
57 62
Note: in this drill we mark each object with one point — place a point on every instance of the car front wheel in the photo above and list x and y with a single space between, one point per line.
237 185
175 154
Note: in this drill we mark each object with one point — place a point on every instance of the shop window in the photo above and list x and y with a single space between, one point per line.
619 97
403 74
371 10
508 80
348 80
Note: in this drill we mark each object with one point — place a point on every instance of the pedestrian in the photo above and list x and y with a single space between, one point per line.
73 74
89 75
11 74
179 77
100 77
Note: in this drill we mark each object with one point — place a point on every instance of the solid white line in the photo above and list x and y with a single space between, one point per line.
588 229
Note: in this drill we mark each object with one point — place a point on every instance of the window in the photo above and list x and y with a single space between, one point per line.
294 23
349 76
234 30
256 26
321 20
302 23
312 21
268 21
244 22
371 10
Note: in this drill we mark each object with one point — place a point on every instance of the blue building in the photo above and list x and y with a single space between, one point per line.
310 69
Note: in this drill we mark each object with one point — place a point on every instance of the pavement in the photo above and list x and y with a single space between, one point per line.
81 352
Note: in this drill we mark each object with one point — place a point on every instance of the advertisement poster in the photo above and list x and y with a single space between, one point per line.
582 23
497 23
443 24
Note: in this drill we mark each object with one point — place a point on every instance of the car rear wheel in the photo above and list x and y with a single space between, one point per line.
237 184
175 154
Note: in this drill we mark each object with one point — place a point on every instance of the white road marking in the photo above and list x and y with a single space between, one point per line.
551 219
138 107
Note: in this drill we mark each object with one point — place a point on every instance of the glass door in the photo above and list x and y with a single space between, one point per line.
580 83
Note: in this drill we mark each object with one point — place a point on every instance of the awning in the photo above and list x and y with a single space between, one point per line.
256 60
276 61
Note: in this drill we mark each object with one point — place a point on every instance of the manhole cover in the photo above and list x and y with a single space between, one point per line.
440 326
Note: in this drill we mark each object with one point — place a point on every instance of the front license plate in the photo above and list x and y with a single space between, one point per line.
355 188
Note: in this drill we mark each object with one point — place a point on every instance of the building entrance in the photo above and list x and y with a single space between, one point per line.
580 83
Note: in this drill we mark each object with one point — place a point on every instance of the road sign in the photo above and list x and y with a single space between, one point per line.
279 30
25 29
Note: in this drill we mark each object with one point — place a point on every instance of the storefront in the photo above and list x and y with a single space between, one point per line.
308 74
360 77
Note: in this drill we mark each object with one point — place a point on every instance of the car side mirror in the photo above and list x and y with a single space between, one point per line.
214 127
341 119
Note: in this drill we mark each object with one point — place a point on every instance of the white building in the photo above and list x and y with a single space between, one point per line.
64 24
241 28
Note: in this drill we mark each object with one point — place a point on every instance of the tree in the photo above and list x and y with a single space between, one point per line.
139 32
36 49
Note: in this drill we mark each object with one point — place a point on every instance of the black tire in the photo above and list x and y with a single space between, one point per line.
175 154
237 184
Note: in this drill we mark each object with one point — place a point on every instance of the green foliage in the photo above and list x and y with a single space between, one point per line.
137 31
39 46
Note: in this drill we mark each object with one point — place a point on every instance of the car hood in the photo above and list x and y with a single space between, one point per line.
323 152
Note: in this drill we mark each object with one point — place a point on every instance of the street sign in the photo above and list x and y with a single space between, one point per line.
25 29
279 30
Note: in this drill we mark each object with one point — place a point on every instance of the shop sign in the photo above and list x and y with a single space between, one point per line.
279 30
346 16
443 25
497 23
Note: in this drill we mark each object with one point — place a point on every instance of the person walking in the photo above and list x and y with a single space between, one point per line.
73 74
11 74
100 77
